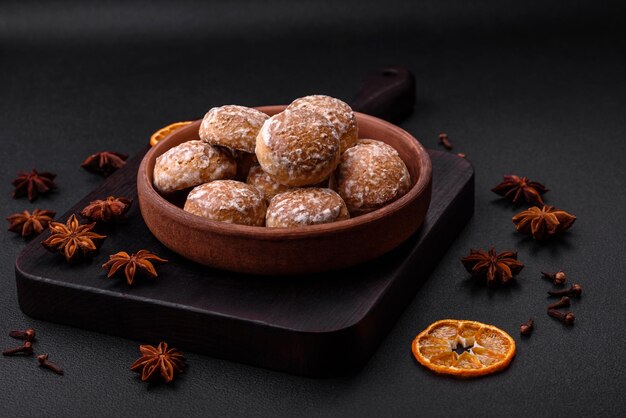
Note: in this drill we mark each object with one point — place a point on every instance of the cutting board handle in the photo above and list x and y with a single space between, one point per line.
388 93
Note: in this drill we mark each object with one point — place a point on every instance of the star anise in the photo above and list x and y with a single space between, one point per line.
72 239
32 184
141 261
110 209
543 222
496 268
159 361
28 224
517 188
104 162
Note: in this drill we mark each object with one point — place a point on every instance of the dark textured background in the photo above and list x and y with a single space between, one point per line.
535 88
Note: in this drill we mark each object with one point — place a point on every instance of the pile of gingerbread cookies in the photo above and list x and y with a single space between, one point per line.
302 166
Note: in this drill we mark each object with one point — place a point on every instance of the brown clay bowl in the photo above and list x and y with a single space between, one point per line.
281 251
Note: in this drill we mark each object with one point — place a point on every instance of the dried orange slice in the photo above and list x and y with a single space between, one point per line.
487 349
166 130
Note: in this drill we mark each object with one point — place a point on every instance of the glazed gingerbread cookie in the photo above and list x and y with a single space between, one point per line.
337 112
371 175
265 183
298 147
228 201
232 126
307 206
190 164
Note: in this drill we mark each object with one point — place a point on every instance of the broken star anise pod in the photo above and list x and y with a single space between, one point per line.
159 361
27 224
107 210
104 162
32 184
72 239
142 261
543 222
496 268
517 188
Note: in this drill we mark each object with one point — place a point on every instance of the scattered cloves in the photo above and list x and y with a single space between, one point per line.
527 327
564 302
566 317
28 334
557 278
443 139
43 362
26 348
574 290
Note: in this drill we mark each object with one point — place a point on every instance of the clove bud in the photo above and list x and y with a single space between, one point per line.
527 327
574 290
43 362
557 278
28 334
26 348
443 139
564 302
566 317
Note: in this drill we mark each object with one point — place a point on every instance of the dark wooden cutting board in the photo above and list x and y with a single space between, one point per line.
318 325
